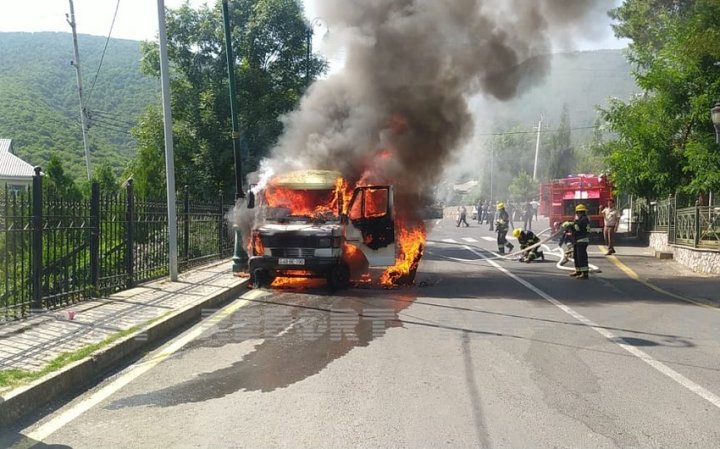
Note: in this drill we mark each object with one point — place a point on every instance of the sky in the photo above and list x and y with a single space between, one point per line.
137 19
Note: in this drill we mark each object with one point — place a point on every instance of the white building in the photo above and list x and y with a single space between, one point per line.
14 172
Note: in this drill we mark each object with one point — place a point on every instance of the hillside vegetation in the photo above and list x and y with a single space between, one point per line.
39 102
40 109
581 80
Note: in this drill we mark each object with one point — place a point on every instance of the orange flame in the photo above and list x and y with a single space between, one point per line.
297 282
256 247
411 242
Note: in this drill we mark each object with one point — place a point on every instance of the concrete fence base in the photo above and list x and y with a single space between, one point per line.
702 261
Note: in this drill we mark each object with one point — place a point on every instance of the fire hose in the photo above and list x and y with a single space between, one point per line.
516 254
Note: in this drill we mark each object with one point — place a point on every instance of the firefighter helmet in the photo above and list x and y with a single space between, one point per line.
580 208
500 206
517 232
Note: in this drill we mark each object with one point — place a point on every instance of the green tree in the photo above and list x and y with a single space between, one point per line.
591 154
269 40
522 187
561 160
105 177
665 138
59 183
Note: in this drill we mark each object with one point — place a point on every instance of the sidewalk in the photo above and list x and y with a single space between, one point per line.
130 319
666 274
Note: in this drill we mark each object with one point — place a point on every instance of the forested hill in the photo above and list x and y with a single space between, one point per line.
39 106
582 80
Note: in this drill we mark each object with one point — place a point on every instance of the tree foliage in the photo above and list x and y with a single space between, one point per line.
269 44
665 137
561 159
40 110
523 188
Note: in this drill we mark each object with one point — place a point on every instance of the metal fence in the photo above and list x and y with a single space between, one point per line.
695 226
57 252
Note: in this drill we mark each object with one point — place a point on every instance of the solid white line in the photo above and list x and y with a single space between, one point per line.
659 366
469 240
489 239
448 241
136 370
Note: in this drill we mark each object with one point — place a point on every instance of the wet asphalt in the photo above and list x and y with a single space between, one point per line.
468 357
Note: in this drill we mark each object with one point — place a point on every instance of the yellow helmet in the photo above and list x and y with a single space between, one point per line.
517 232
580 208
500 206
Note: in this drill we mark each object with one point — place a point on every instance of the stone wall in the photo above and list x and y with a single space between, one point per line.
659 241
699 260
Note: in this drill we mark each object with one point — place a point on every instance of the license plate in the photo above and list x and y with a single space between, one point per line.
284 261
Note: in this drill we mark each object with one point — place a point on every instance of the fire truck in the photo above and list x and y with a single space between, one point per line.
560 196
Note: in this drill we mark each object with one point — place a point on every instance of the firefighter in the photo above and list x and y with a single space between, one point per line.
566 240
527 239
581 239
501 227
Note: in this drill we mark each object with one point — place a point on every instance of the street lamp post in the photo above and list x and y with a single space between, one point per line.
715 113
240 257
492 170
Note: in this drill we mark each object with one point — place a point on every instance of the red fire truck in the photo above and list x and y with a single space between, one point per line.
559 197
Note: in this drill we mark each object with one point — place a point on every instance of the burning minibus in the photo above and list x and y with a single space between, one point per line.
312 224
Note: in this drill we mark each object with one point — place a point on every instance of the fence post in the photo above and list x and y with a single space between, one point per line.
221 221
186 224
37 241
94 237
130 236
697 225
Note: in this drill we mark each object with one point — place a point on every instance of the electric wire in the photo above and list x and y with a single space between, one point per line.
102 56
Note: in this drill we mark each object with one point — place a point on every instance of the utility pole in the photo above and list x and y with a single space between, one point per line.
169 154
537 148
240 257
492 170
76 63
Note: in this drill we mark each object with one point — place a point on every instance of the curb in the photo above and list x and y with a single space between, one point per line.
20 402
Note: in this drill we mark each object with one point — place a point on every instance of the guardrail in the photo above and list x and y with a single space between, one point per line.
57 252
695 227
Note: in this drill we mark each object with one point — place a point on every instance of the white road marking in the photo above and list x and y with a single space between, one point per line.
659 366
489 239
448 241
469 240
136 370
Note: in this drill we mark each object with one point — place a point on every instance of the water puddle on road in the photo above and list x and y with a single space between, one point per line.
298 334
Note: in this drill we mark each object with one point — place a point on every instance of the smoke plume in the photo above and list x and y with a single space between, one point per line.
410 66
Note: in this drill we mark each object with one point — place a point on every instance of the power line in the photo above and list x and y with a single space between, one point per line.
115 118
102 57
534 132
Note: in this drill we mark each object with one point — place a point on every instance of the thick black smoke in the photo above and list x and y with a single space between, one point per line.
410 66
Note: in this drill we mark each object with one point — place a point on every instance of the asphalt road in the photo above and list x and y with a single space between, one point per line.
481 352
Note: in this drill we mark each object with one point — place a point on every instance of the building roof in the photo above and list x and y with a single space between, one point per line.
12 166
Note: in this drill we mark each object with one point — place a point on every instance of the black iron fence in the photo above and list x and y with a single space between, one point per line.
57 252
692 226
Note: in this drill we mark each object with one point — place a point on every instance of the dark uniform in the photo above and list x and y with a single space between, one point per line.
581 240
526 240
501 227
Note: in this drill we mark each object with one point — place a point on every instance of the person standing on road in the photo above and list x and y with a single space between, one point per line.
581 239
479 211
611 221
501 227
527 216
535 205
462 216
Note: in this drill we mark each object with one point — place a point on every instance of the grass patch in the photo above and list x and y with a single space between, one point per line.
12 378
